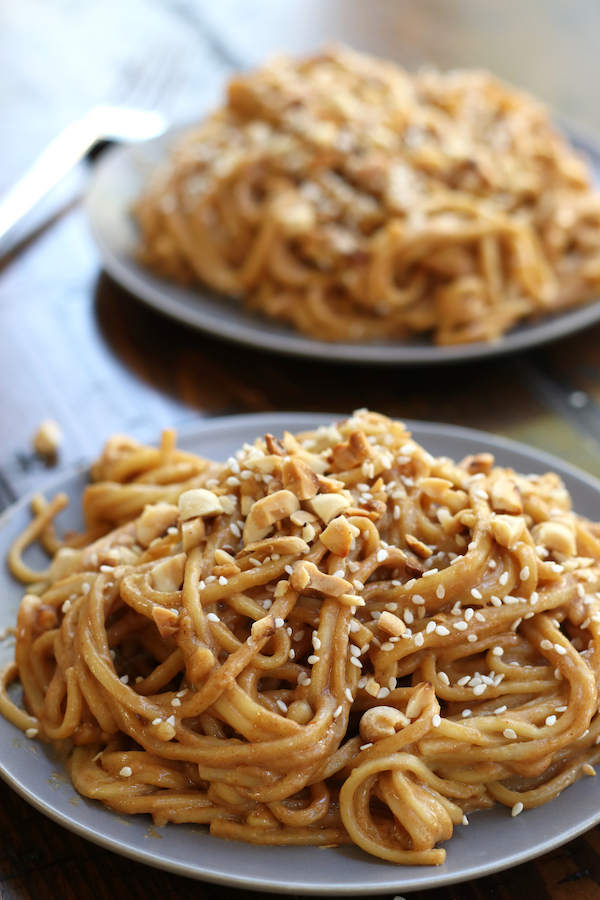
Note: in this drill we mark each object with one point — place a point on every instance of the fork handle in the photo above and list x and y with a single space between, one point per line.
59 158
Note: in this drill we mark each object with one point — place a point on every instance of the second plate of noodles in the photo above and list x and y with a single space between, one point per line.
331 637
359 202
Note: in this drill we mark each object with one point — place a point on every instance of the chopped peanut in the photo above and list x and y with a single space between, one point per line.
167 576
307 577
167 621
338 536
285 545
381 722
352 452
418 546
507 530
327 506
391 624
505 497
198 502
555 535
154 521
48 438
299 478
193 532
266 511
421 697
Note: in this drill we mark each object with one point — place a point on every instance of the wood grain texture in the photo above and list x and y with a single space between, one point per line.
76 347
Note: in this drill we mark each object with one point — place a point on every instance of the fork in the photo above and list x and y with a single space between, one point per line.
134 116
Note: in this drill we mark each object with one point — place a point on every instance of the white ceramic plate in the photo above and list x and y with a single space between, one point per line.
492 841
118 180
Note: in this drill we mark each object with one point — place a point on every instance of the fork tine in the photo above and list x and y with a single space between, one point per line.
149 80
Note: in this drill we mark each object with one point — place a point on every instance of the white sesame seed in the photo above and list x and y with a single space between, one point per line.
464 821
516 624
235 530
443 678
482 495
213 617
312 660
472 545
279 622
381 555
316 641
31 733
430 572
66 606
476 594
472 638
469 613
387 646
499 710
358 585
440 591
339 573
509 734
557 568
466 713
282 706
589 770
464 680
479 689
498 651
337 711
503 578
366 746
496 601
124 679
517 808
382 693
442 630
460 626
410 584
417 600
436 721
126 772
222 580
546 645
356 662
480 617
550 720
430 627
175 701
419 639
560 649
558 674
85 588
289 570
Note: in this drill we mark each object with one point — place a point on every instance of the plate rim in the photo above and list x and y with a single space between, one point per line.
179 303
422 877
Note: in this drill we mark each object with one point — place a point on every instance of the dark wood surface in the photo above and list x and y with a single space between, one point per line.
76 348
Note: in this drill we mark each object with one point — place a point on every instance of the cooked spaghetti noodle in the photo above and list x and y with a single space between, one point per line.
359 202
332 637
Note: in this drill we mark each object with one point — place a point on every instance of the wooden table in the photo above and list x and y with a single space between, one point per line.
78 349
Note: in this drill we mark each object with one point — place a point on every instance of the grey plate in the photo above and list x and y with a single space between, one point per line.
492 841
118 180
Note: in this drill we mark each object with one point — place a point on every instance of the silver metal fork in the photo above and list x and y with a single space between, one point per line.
135 115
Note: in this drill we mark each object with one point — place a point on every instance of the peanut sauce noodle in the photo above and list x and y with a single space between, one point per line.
358 202
331 638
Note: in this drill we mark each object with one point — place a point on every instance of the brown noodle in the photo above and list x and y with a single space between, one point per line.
332 637
360 202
